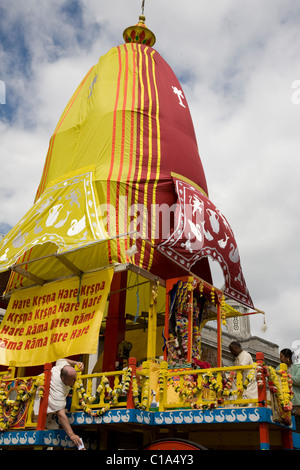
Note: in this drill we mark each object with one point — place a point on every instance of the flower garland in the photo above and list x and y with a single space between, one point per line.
9 374
112 394
250 376
223 311
189 390
222 390
287 386
13 406
84 398
283 393
136 393
227 384
213 295
161 383
261 371
211 381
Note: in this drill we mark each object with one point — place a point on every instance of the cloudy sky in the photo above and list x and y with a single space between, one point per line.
238 64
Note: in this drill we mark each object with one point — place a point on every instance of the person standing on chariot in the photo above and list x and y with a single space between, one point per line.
286 357
243 358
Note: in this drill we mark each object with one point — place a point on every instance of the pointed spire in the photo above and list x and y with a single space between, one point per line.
139 33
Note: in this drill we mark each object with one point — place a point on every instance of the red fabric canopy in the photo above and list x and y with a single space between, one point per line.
201 231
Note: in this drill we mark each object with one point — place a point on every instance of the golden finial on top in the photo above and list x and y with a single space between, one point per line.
140 33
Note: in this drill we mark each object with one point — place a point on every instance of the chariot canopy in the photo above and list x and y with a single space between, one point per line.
123 182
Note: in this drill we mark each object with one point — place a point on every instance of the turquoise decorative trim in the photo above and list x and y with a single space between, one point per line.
219 415
264 446
237 415
296 441
226 416
112 416
49 438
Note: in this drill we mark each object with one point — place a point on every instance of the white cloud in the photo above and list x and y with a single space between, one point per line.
22 159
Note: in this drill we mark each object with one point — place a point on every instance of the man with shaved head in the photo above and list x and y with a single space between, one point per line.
63 377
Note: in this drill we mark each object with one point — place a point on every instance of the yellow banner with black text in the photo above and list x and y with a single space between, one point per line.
60 319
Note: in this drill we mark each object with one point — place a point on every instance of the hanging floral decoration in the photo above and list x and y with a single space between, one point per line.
9 374
189 388
250 376
85 400
10 409
223 311
161 383
259 376
111 394
201 288
222 388
213 295
227 384
283 392
136 391
261 372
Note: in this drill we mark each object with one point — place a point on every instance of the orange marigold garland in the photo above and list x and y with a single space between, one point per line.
283 392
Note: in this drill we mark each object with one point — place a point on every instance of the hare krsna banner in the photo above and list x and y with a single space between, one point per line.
60 319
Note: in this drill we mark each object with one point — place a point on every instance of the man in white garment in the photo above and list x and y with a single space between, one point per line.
63 377
243 358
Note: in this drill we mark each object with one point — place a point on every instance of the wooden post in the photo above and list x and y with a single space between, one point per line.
261 390
44 400
144 397
152 322
130 400
286 434
190 321
287 438
219 335
163 387
262 400
115 322
167 313
264 436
